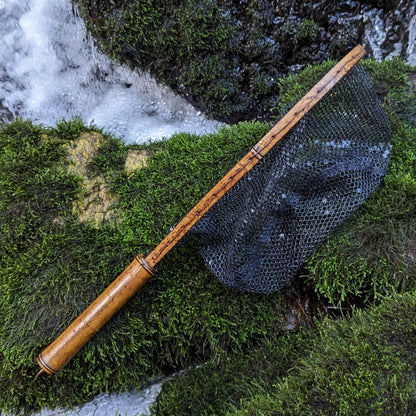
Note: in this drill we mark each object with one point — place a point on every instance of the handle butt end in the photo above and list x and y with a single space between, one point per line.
44 367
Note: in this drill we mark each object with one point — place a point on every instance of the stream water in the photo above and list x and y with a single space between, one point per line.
124 404
50 69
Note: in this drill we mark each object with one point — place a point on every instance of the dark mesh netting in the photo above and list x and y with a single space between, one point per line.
256 237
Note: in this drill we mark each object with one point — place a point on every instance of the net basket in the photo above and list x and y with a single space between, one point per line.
258 235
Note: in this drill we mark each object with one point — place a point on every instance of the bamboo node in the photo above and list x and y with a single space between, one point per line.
146 265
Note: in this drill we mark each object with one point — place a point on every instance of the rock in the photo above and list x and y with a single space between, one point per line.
226 58
136 159
96 204
5 114
82 151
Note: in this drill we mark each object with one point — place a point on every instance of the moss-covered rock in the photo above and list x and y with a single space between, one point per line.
359 261
52 265
226 57
361 365
352 366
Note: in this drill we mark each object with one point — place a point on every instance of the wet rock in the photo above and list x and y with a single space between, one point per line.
411 43
226 57
5 114
382 25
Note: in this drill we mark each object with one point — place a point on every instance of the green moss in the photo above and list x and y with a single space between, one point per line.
224 57
363 365
391 81
183 41
219 386
195 164
110 158
52 266
197 48
358 366
372 254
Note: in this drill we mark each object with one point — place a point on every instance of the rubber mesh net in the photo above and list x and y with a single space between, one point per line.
258 235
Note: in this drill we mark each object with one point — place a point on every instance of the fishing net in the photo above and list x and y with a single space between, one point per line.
258 235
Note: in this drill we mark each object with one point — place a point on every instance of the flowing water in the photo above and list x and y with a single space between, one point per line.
385 38
50 70
124 404
411 48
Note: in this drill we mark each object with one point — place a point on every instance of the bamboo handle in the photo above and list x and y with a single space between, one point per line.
54 357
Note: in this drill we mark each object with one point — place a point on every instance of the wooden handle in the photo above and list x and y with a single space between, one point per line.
54 357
